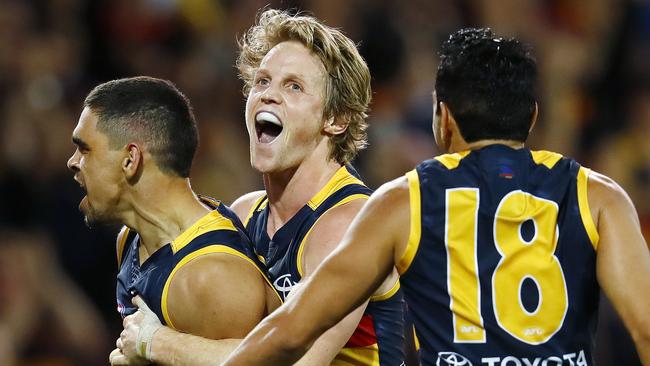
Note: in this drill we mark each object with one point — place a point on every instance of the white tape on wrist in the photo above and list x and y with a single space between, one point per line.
144 340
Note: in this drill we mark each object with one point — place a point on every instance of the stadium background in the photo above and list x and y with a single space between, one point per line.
57 303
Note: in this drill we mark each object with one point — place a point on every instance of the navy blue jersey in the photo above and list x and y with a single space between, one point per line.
379 338
500 267
217 232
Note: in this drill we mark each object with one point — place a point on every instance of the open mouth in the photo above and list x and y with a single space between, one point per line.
267 126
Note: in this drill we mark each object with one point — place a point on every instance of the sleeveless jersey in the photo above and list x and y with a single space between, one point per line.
500 266
217 232
379 338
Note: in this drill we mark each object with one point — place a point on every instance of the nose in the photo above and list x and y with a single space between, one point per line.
73 162
270 95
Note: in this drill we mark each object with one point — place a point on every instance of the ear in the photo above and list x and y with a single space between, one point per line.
132 161
447 124
335 126
533 119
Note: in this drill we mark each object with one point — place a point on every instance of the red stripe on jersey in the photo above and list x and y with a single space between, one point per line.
365 334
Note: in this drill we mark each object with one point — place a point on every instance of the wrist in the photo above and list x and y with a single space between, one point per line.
144 341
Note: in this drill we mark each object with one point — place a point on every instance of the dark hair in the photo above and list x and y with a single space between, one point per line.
151 111
488 83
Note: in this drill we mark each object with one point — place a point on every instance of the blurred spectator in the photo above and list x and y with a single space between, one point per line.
43 316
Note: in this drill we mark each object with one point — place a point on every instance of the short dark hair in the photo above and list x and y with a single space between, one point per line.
152 111
489 84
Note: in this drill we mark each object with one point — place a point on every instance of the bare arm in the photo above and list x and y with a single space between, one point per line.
368 252
623 259
324 238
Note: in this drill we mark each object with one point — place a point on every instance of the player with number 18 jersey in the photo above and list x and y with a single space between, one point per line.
511 238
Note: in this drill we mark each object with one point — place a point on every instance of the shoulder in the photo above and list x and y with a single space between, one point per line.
604 194
329 230
215 282
243 205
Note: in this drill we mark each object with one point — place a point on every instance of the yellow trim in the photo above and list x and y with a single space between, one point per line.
583 204
340 179
212 249
416 339
388 294
546 158
121 242
261 258
254 208
451 161
357 356
209 200
301 248
415 231
211 222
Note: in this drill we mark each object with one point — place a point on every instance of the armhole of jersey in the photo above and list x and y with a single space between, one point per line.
212 249
253 208
301 248
388 294
415 229
120 243
583 204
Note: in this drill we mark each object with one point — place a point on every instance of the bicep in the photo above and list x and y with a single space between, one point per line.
216 296
623 259
360 264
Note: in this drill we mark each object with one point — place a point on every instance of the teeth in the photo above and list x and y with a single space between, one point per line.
267 117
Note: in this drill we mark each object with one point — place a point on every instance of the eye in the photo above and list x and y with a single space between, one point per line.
295 86
263 81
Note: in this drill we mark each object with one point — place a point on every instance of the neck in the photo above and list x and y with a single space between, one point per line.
457 146
160 212
288 191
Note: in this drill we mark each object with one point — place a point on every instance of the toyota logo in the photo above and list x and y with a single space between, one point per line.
452 359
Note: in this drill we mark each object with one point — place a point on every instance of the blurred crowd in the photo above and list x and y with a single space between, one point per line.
57 278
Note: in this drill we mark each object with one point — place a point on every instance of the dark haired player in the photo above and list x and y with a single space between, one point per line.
502 250
186 257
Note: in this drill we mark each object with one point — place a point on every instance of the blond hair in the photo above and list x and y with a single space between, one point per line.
347 90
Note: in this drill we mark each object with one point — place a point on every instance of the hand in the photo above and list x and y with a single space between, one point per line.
139 328
117 358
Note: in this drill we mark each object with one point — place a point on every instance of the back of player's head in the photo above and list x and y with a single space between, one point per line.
347 90
150 111
489 85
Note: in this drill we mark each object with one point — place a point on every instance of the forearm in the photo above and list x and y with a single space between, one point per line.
174 348
270 346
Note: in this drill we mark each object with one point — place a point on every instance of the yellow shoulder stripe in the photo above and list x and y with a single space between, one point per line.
415 230
388 294
121 242
546 158
210 222
583 204
340 179
254 208
212 249
301 248
451 161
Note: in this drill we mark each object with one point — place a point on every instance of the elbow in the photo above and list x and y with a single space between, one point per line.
641 335
639 329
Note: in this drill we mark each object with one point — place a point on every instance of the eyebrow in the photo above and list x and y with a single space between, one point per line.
79 142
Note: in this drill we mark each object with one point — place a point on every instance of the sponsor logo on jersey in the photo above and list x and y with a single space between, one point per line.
571 359
452 359
283 285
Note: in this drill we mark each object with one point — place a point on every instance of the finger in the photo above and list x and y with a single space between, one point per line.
117 358
137 301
